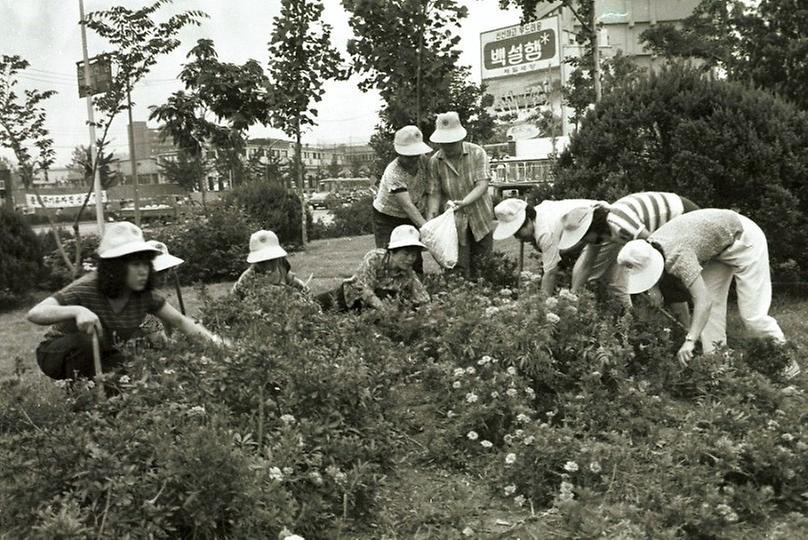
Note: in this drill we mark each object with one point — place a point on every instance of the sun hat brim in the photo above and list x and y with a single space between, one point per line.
266 254
640 279
127 249
406 243
416 149
506 229
164 261
447 136
571 237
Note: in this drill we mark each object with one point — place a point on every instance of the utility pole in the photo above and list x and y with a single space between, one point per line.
132 157
99 203
595 52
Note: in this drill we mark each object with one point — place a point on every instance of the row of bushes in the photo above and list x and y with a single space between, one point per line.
556 404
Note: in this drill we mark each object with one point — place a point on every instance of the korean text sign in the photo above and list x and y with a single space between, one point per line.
520 48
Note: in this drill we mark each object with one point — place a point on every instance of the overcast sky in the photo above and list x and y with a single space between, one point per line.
46 33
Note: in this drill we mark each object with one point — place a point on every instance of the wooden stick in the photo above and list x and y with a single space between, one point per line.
179 291
97 364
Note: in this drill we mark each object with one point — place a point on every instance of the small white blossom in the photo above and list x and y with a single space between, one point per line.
518 433
595 467
315 477
510 490
788 437
510 459
484 360
491 311
90 384
511 392
459 372
450 414
468 531
511 370
197 410
566 294
471 397
506 292
571 467
61 383
519 500
552 318
288 471
472 435
551 302
508 438
486 444
288 419
124 379
276 474
169 371
456 384
522 417
528 440
529 391
470 370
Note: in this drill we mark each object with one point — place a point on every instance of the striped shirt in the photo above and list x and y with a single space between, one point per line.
456 178
642 212
118 326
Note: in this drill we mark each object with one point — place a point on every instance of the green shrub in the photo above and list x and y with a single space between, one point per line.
352 220
271 207
719 143
20 257
215 247
57 274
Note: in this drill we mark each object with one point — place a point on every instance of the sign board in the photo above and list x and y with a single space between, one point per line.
100 76
521 48
66 200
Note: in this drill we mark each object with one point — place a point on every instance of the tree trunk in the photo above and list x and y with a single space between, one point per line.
299 175
59 247
595 53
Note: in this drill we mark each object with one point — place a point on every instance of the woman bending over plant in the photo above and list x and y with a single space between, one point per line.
112 301
267 260
384 274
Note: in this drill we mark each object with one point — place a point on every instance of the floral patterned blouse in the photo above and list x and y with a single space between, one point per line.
376 277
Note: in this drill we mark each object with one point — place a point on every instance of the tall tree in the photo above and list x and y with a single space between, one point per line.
22 130
408 51
764 44
333 169
137 40
82 162
301 59
186 170
220 102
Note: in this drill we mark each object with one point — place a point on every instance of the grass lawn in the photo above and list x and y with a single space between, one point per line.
328 261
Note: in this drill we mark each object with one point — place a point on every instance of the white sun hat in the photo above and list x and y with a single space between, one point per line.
409 141
264 246
574 225
405 236
122 238
164 260
448 129
510 217
643 264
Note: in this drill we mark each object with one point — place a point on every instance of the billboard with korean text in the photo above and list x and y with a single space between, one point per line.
519 49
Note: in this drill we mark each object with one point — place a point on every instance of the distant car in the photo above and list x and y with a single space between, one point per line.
318 199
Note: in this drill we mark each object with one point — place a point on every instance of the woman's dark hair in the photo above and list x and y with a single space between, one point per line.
530 215
112 273
599 224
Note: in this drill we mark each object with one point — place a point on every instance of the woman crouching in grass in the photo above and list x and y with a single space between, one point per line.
267 261
112 301
385 274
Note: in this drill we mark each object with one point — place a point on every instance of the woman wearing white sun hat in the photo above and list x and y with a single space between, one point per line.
403 194
541 226
705 250
384 274
112 302
268 262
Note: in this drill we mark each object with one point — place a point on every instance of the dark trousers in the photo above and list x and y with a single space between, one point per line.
471 254
71 357
383 225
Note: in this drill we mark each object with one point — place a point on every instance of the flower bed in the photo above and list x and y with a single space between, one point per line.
574 416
